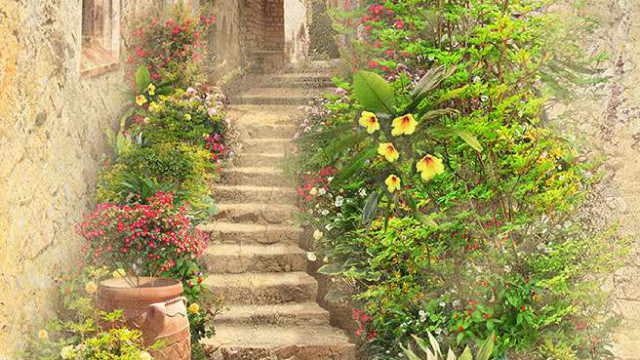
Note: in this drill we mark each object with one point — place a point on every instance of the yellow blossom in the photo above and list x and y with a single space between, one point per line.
154 107
145 356
43 335
393 183
194 308
201 108
68 352
91 288
187 117
141 100
151 89
370 121
117 274
388 151
404 125
429 166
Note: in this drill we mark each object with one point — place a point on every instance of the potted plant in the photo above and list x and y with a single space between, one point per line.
145 242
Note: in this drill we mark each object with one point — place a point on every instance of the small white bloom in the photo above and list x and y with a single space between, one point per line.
322 191
329 227
456 302
314 191
442 304
312 256
192 92
339 201
325 212
362 192
317 235
438 331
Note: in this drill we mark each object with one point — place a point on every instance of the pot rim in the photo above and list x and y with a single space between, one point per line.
153 289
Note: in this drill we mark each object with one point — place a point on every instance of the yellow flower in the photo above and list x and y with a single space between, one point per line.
370 121
68 352
117 274
141 100
393 183
194 308
187 117
91 288
429 166
388 151
145 356
151 89
404 125
154 107
201 108
43 335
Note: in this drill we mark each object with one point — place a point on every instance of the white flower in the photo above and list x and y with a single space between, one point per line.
317 235
438 331
313 192
145 356
328 227
442 304
339 201
312 256
325 212
422 313
330 179
68 352
212 111
192 92
362 192
456 302
322 191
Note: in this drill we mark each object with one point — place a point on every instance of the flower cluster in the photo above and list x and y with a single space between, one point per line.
218 148
146 238
314 183
362 320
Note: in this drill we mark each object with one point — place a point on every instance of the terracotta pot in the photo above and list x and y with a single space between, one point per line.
157 308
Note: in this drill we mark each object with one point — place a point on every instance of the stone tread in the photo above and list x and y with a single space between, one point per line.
308 313
263 288
250 194
222 226
255 170
258 213
238 258
277 337
256 280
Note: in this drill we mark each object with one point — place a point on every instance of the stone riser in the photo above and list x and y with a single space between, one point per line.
274 132
310 84
257 146
235 195
257 294
255 213
225 264
235 177
256 238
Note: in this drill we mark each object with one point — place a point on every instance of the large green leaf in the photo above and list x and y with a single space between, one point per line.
143 78
429 81
370 208
330 269
469 139
373 92
486 350
356 164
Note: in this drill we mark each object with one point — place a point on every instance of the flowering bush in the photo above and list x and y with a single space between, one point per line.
169 47
470 223
148 240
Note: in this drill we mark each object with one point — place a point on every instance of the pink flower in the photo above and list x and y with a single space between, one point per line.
400 24
373 64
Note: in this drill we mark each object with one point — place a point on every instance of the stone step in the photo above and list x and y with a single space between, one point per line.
291 314
266 146
254 194
256 213
247 233
263 288
237 342
274 96
273 131
259 176
235 259
257 159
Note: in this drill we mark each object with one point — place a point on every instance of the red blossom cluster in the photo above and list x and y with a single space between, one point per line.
215 144
362 319
316 179
161 46
150 236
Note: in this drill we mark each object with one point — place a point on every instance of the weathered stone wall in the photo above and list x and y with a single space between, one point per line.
51 138
296 29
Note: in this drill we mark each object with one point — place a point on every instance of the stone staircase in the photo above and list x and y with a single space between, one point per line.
258 266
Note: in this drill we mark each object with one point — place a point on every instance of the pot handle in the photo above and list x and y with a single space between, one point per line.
157 312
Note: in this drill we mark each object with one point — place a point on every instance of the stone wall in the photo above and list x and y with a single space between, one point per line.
52 120
296 29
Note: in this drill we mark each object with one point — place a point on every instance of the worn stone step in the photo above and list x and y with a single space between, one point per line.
291 314
254 194
266 146
259 176
274 96
237 342
256 213
247 233
263 288
273 131
235 259
258 159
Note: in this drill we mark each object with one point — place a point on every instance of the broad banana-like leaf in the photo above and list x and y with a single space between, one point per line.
356 164
370 208
434 343
410 354
469 139
486 350
466 354
429 81
451 355
373 92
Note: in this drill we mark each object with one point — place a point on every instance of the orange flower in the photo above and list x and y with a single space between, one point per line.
393 183
370 121
404 125
429 166
388 151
